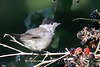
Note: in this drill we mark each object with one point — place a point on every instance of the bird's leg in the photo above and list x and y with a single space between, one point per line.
14 40
47 53
35 57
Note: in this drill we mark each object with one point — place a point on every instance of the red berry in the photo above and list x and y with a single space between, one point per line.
86 51
78 50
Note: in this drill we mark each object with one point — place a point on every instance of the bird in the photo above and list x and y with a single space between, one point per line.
40 38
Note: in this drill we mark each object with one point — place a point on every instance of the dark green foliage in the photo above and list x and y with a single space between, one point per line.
66 4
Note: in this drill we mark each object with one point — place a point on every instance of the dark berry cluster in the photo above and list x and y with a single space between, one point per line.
60 62
95 15
92 42
89 37
71 64
76 58
78 53
79 57
91 57
95 25
72 50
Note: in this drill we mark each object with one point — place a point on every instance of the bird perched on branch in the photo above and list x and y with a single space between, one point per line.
39 38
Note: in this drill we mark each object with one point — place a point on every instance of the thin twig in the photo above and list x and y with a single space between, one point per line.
67 49
14 40
30 54
97 49
44 62
50 61
35 57
46 55
10 47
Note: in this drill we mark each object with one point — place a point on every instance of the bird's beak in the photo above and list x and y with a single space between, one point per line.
58 23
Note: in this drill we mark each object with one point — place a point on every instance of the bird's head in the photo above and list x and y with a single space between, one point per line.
49 24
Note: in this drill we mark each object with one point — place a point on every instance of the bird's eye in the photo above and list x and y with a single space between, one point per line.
51 23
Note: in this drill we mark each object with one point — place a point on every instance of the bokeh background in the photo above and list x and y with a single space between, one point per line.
17 16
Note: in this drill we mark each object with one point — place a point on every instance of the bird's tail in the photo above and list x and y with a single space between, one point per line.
17 36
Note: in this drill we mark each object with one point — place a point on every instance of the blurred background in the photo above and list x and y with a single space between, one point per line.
18 16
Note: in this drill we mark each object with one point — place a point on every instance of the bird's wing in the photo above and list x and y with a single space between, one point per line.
36 32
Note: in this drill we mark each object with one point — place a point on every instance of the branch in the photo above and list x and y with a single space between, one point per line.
10 47
50 61
23 53
14 40
97 49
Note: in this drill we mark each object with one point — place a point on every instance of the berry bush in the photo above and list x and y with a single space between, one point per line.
89 56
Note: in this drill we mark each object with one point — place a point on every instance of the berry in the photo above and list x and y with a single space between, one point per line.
91 57
72 50
77 58
86 51
88 41
80 35
94 15
83 42
70 64
95 25
92 42
60 63
78 50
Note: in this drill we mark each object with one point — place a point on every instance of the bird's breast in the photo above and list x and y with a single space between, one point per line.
39 43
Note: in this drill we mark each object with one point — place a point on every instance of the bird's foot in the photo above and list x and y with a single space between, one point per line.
47 54
35 56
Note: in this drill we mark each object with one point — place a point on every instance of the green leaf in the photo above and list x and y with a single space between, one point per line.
47 13
34 19
87 19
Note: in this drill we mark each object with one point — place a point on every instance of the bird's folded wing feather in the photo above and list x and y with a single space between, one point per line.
36 32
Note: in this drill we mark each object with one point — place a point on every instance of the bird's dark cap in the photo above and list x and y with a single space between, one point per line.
47 21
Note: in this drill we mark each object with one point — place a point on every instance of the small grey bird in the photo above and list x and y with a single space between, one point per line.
40 38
